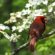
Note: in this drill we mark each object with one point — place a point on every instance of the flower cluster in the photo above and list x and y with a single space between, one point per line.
24 17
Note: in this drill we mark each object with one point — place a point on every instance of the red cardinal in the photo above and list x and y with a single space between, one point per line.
36 30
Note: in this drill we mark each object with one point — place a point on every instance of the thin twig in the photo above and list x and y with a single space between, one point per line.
49 34
20 47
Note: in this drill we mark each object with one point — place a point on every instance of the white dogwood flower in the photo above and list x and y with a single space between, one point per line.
45 2
28 5
13 28
50 8
3 27
18 14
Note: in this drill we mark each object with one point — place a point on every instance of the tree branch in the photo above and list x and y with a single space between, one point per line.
19 48
49 34
26 44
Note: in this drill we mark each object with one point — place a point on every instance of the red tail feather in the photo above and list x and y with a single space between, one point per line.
32 44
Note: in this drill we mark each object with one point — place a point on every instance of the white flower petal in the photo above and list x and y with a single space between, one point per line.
53 4
3 27
18 14
13 28
50 9
28 5
45 2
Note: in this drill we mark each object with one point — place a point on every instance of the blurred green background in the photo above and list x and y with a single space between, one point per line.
9 6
